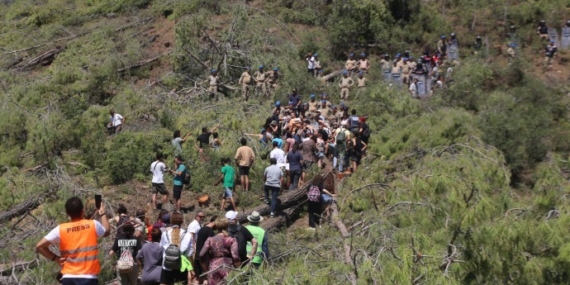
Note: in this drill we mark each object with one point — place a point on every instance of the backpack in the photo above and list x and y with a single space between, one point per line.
314 194
126 263
341 136
354 122
187 179
236 233
172 256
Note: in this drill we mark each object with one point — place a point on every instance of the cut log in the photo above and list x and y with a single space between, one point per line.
282 219
288 200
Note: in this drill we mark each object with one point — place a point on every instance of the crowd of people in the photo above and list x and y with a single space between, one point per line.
303 134
161 251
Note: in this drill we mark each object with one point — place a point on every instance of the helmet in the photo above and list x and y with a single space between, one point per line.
360 73
312 96
316 54
344 72
363 54
352 54
386 56
513 27
478 37
453 35
443 37
278 103
420 60
406 59
398 55
213 70
276 68
248 67
568 23
261 66
542 21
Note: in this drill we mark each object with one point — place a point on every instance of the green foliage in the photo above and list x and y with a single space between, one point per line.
358 23
124 158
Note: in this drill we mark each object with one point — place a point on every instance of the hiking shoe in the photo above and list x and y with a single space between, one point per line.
272 215
266 202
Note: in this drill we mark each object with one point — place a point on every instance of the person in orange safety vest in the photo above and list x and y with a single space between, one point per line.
78 244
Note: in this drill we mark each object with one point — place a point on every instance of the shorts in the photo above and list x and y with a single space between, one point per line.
355 158
307 165
171 277
177 191
159 188
227 192
243 170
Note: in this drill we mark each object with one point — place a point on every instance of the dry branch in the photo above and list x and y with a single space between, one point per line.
402 203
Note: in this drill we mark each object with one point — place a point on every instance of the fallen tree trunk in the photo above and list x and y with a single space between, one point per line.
44 58
140 63
288 200
22 208
283 219
346 243
331 75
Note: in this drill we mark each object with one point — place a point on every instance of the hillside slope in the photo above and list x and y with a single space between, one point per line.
467 187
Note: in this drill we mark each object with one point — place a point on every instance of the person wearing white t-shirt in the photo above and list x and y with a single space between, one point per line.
193 229
414 88
116 122
310 63
158 168
277 153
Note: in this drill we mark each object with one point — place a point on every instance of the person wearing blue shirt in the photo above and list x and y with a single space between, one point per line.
279 142
179 174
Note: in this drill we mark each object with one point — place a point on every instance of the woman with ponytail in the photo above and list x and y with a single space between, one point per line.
179 237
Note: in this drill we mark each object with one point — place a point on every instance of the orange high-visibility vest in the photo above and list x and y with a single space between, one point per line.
78 243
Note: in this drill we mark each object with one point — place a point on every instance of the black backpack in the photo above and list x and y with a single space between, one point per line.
236 233
187 178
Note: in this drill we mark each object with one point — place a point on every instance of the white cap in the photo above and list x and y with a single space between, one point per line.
231 215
